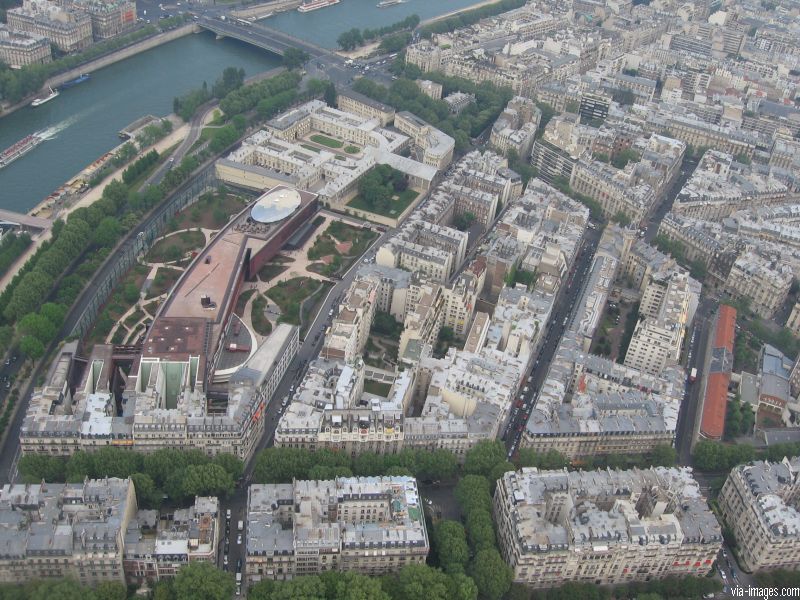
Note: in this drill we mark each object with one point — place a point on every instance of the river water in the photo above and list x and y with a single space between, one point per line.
324 26
82 122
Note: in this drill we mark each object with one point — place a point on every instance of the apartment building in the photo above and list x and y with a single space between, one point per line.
665 312
109 17
450 402
604 527
765 283
612 408
157 546
349 330
358 104
367 525
774 385
433 147
603 272
432 249
457 102
515 128
700 134
793 322
166 405
74 530
431 306
20 49
278 154
430 88
759 503
564 140
721 186
701 243
67 28
614 189
391 288
424 313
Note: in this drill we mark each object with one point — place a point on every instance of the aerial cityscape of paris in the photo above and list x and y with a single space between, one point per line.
399 300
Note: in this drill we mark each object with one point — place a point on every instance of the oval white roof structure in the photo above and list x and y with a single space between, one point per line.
275 206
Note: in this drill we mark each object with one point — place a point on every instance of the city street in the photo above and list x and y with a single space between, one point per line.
563 311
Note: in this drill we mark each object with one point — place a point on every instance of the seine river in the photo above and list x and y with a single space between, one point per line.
83 122
324 26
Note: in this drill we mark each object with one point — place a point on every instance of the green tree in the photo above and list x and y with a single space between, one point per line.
281 465
230 463
207 480
663 455
80 466
623 157
351 39
368 464
31 347
463 221
110 590
451 546
352 586
420 582
481 458
439 464
621 218
54 313
130 292
107 232
552 459
462 587
294 58
63 589
330 94
499 469
472 493
231 79
491 574
37 467
203 581
147 494
480 530
6 337
37 326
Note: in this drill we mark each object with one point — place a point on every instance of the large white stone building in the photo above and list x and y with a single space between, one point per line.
276 155
604 527
67 28
759 503
74 530
368 525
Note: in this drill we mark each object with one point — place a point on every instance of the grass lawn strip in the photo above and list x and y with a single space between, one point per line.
378 388
211 211
270 271
324 140
289 294
260 322
241 302
398 204
183 241
165 278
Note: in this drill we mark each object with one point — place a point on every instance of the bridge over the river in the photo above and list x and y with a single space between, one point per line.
263 37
